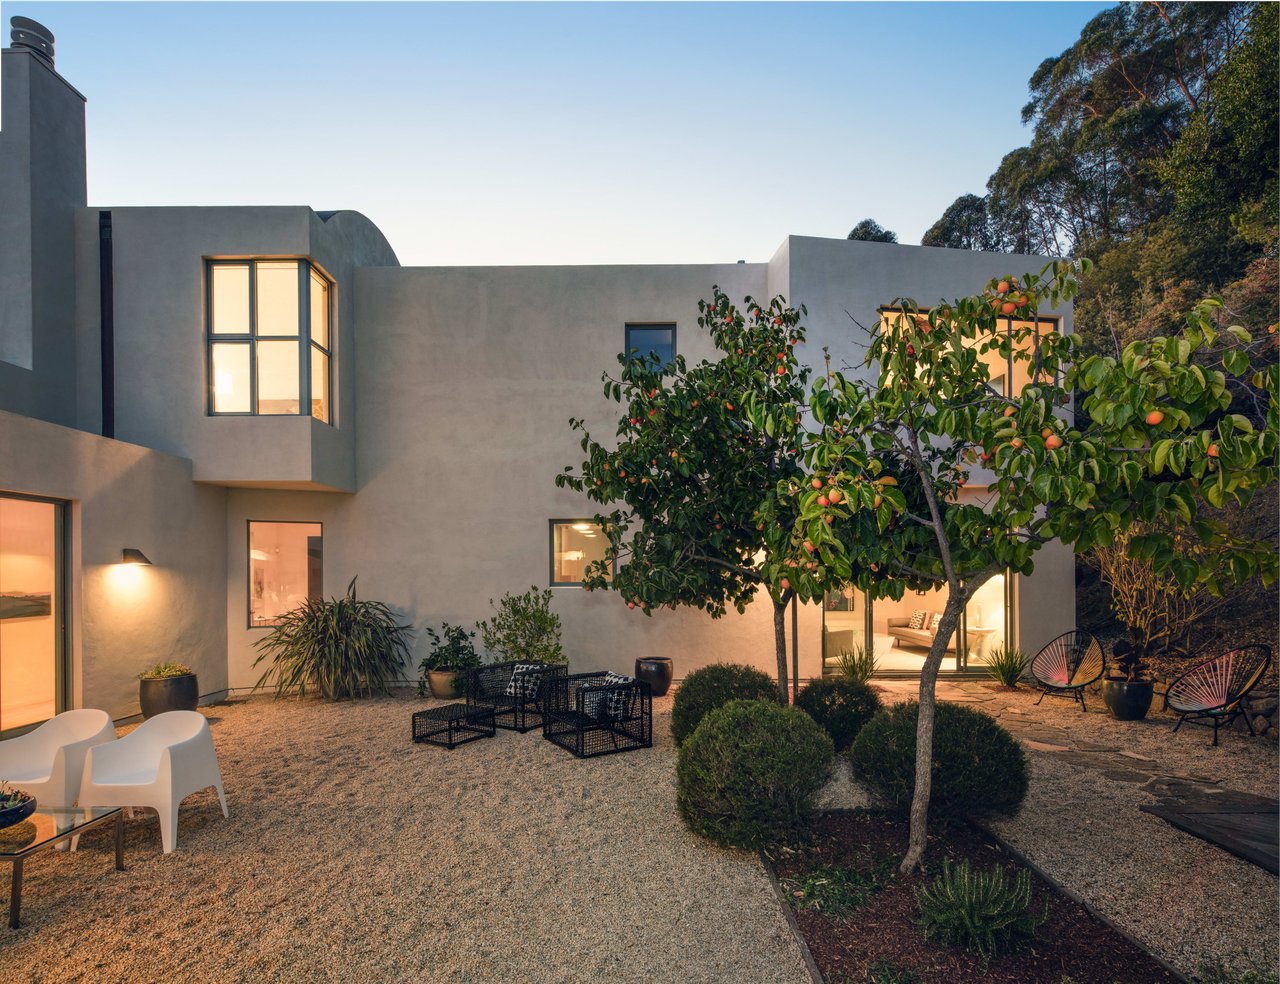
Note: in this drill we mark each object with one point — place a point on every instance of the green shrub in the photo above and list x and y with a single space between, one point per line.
840 705
166 671
856 664
978 767
714 686
524 628
1006 665
341 647
979 910
750 772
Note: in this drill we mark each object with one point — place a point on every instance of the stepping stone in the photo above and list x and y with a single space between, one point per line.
1044 746
1242 824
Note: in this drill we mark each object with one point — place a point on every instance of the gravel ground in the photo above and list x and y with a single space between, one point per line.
353 854
1191 903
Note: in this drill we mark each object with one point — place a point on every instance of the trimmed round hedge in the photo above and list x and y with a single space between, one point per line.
750 772
979 769
714 686
840 705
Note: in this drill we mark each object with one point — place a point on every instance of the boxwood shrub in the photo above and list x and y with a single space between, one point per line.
714 686
750 772
979 769
840 705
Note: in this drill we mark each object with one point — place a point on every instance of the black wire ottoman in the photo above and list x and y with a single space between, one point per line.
452 725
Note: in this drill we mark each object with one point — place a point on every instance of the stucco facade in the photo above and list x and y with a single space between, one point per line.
452 389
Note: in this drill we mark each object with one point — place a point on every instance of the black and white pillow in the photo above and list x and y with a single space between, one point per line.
605 705
934 622
619 703
526 678
917 620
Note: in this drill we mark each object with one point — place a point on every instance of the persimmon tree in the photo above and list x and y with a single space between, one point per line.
689 473
881 502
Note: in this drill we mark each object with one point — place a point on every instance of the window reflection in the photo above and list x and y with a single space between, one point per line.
285 569
574 544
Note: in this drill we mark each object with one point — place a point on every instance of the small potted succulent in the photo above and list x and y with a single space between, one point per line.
452 653
15 805
168 687
1129 686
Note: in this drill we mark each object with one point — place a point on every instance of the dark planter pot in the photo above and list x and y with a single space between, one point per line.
1128 701
656 672
16 814
180 693
444 683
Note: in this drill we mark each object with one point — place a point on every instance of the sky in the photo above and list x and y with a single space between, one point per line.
477 134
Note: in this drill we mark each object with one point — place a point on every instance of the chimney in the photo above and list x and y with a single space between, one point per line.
26 33
42 185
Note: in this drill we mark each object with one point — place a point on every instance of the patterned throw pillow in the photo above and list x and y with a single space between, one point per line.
917 620
935 622
605 705
525 680
619 700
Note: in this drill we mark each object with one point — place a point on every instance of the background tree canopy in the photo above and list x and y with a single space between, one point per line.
1154 152
870 231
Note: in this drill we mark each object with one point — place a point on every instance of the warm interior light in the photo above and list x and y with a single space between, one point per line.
582 527
257 554
132 555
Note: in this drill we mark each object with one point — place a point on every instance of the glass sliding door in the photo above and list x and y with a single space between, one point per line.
31 611
844 626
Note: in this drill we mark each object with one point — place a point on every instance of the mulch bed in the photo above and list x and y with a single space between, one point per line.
881 941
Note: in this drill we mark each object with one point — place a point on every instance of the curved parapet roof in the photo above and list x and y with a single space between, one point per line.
366 244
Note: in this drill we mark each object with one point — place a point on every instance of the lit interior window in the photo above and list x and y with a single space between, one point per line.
574 545
285 569
270 351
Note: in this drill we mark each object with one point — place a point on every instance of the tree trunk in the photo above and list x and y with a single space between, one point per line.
780 647
924 729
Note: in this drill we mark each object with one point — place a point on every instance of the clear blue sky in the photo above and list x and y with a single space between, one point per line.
563 133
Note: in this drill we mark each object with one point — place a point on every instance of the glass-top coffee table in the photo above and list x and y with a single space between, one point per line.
47 826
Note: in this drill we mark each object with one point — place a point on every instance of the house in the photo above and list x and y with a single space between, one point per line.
264 404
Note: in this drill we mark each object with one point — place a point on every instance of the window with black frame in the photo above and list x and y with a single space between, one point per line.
268 329
657 341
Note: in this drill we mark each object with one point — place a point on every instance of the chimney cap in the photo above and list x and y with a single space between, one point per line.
26 33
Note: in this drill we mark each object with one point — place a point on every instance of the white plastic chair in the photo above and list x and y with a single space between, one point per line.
157 765
49 762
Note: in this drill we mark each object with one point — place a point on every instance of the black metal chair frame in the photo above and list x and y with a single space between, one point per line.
567 724
1075 691
1225 714
487 686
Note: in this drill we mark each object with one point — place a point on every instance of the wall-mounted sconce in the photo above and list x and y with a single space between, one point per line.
132 555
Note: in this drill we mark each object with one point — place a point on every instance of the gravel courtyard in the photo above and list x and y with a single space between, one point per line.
353 854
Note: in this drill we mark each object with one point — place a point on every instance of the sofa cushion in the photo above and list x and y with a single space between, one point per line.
917 620
526 678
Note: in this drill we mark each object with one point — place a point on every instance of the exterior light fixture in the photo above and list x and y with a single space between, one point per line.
132 555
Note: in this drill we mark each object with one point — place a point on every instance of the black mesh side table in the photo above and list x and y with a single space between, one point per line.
452 725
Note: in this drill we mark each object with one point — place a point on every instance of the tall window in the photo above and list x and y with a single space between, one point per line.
269 338
651 341
285 569
1009 375
575 543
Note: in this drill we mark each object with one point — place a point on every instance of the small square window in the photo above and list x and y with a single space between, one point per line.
575 543
651 341
285 569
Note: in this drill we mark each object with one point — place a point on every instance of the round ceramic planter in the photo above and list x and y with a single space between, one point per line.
656 672
1128 701
180 693
444 683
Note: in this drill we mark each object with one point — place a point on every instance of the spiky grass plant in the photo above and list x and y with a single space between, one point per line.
979 910
339 647
856 664
1006 665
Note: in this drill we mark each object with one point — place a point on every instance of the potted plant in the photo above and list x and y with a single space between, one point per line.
1129 686
168 687
452 653
524 628
15 805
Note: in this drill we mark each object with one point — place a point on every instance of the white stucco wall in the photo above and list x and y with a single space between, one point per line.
125 618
